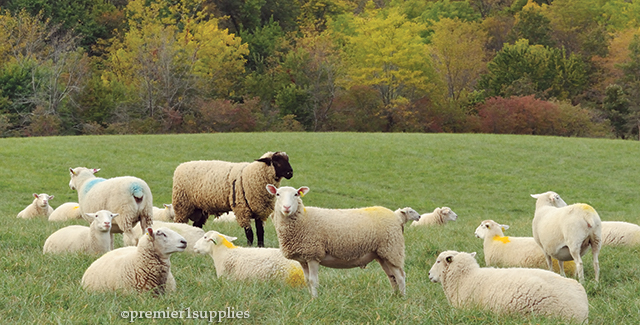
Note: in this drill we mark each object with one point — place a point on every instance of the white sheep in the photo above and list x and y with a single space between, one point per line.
203 188
190 233
565 232
511 290
226 217
336 238
509 251
129 197
38 208
141 268
242 263
618 233
165 214
407 214
94 239
439 216
66 211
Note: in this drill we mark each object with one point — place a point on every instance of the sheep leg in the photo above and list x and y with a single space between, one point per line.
561 267
260 232
595 249
249 233
550 263
396 276
575 253
313 282
199 218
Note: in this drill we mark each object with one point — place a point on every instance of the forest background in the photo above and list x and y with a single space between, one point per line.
556 67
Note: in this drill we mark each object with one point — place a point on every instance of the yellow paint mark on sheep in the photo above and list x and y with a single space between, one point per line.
587 207
75 207
228 243
295 278
503 239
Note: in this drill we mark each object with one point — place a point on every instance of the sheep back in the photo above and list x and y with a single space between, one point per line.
618 233
74 238
66 211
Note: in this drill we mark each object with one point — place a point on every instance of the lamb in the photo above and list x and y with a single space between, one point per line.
190 233
242 263
129 197
165 214
66 211
335 238
566 231
142 268
618 233
226 217
439 216
407 214
512 251
511 290
94 239
38 208
202 188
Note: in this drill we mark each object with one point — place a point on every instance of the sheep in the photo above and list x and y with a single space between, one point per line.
439 216
38 208
190 233
618 233
500 250
165 214
566 231
242 263
226 217
94 239
66 211
129 197
407 214
202 188
141 268
511 290
335 238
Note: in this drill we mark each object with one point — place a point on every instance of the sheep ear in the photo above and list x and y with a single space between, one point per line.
229 238
95 170
71 171
535 196
165 205
150 232
303 191
272 189
35 195
113 215
473 254
449 259
504 227
91 215
51 197
266 160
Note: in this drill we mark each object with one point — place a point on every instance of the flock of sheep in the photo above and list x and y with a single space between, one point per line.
310 236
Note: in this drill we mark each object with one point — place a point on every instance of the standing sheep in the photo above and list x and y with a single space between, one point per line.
190 233
66 211
129 197
565 232
512 290
94 239
439 216
500 250
242 263
407 214
38 208
142 268
334 238
202 188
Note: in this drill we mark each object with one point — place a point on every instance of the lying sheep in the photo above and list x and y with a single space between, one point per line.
500 250
165 214
129 197
243 263
439 216
66 211
618 233
337 238
203 188
38 208
94 239
142 268
190 233
512 290
565 232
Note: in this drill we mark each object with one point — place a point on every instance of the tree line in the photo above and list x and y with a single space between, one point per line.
555 67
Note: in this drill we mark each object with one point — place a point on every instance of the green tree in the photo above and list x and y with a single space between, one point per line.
532 25
616 104
522 69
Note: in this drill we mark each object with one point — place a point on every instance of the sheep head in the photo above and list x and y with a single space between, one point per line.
287 198
280 162
444 261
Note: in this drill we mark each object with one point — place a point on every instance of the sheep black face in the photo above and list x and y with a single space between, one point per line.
280 162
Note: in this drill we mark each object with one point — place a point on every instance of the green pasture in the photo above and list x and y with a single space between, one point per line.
478 176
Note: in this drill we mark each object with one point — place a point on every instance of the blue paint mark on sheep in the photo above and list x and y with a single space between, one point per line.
137 190
87 187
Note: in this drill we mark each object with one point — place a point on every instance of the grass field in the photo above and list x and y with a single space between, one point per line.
478 176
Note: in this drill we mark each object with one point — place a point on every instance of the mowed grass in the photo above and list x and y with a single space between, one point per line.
478 176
